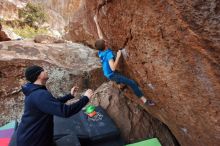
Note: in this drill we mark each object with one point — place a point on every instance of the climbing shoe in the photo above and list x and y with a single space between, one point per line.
149 102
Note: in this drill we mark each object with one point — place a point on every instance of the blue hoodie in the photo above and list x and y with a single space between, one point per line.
105 56
36 127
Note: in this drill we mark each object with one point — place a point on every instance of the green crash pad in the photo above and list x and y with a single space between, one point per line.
10 125
149 142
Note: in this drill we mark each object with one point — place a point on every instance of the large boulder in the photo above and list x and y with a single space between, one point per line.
46 39
134 123
173 54
68 64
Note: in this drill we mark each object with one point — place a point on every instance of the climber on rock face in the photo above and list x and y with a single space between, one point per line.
3 35
36 126
109 65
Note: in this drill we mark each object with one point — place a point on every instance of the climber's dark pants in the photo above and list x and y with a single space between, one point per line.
118 78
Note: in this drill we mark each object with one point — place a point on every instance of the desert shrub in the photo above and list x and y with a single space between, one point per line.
33 14
29 32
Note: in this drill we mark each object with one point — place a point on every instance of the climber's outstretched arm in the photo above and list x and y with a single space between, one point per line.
114 63
100 34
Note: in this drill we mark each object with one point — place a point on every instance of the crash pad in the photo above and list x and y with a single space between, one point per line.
73 124
69 140
6 133
100 131
10 125
116 142
100 127
4 141
149 142
86 128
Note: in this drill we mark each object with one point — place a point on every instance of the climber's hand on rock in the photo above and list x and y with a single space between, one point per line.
74 90
119 53
89 93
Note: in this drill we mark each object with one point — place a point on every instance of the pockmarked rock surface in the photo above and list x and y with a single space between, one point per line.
68 64
173 53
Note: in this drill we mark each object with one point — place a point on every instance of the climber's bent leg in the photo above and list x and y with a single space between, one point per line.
118 78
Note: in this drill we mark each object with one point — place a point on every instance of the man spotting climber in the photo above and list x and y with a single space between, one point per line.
36 127
3 35
109 65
